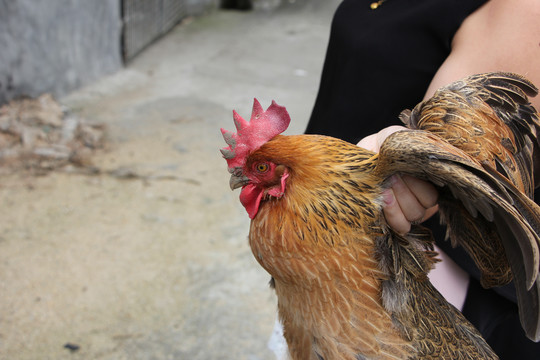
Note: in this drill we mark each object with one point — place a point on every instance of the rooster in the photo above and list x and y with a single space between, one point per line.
348 286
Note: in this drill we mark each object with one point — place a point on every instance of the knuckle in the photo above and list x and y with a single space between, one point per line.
416 216
396 219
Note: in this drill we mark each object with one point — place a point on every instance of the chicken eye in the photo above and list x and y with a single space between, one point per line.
262 167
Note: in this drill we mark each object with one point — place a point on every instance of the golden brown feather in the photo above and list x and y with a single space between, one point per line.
345 281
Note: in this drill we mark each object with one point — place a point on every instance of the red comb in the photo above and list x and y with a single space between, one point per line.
251 135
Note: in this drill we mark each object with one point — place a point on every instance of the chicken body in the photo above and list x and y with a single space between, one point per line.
334 294
348 287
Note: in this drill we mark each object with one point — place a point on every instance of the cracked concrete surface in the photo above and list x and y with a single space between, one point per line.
149 258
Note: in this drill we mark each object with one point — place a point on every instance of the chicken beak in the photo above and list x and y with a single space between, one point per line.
238 181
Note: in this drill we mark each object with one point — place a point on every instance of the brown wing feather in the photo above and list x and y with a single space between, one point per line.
489 117
489 206
424 155
440 330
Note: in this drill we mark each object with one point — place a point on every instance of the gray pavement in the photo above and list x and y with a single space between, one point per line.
155 264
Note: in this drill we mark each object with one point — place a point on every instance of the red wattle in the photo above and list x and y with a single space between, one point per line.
250 197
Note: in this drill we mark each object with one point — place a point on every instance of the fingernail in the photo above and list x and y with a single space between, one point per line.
395 179
388 197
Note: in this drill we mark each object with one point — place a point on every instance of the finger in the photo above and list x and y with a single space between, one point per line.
373 142
425 192
369 143
386 132
393 214
411 207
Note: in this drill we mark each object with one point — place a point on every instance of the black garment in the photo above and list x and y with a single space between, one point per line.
497 319
380 62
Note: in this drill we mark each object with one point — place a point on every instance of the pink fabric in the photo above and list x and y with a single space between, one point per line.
451 281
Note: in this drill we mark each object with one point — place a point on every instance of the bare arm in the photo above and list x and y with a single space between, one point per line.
503 35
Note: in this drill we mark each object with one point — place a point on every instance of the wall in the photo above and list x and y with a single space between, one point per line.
58 46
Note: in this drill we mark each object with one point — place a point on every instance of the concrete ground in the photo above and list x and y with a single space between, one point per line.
149 259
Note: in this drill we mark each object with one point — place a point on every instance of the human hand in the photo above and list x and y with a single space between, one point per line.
409 200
